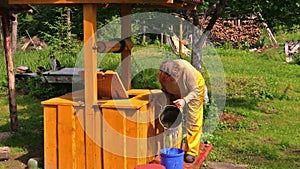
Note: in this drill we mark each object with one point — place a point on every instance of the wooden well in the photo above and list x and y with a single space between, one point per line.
116 122
74 123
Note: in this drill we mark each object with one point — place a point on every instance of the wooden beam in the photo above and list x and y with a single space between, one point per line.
48 2
90 82
90 53
125 55
10 74
174 5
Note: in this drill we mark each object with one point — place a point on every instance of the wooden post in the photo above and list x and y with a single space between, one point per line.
144 32
14 33
90 83
125 55
1 34
162 36
10 74
180 39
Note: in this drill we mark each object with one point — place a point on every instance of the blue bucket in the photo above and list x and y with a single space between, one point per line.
172 158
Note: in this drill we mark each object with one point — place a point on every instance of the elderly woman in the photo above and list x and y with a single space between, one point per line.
184 86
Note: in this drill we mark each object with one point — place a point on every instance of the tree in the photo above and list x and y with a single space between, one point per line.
277 13
214 12
14 32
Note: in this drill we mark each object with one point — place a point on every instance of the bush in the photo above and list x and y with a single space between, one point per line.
37 88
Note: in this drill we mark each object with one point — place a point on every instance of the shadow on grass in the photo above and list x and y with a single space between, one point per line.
27 141
244 103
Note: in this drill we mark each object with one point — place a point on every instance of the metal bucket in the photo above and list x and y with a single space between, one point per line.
171 118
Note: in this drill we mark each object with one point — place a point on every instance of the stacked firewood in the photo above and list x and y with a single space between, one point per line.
32 43
235 31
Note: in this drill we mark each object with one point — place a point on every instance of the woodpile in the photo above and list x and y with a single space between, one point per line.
32 43
235 31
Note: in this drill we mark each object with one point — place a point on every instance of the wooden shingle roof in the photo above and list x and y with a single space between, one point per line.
175 4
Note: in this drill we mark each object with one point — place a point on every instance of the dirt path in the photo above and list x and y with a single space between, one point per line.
222 165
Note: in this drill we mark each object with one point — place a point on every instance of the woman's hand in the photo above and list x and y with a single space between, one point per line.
180 103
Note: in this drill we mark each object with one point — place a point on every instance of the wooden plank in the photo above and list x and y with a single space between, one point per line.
79 138
114 147
98 138
142 129
90 67
109 85
140 99
50 137
147 145
132 141
72 99
126 55
140 132
157 100
66 137
45 2
151 135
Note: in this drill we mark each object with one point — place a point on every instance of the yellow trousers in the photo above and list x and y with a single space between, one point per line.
194 120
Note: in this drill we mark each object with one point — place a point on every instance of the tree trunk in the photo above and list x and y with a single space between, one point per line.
14 33
10 74
69 21
196 46
215 11
1 37
199 37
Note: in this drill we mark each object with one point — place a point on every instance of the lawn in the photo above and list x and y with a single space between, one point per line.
263 94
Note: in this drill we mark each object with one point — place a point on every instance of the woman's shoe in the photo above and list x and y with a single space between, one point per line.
189 158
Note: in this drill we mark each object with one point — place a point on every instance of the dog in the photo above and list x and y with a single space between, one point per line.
291 47
55 64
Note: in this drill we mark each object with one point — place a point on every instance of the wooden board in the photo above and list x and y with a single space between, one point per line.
50 137
110 86
65 137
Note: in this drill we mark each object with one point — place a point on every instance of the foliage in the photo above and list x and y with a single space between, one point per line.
32 86
211 119
277 13
61 41
147 79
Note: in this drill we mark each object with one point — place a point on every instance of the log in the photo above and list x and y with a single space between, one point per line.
269 32
116 46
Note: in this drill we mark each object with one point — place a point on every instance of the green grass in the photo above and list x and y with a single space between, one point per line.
264 90
27 142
